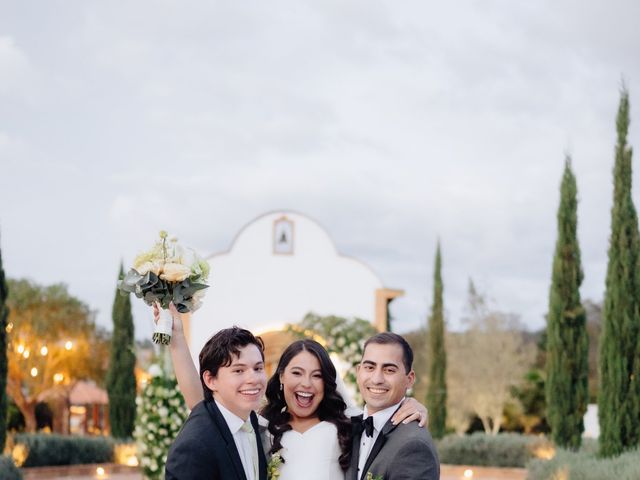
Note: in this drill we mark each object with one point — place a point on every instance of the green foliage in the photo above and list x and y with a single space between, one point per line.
8 471
619 396
161 413
502 450
340 336
531 396
437 390
418 341
121 380
48 450
567 342
4 365
585 465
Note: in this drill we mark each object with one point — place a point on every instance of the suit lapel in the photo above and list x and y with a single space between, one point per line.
232 450
262 461
377 446
356 423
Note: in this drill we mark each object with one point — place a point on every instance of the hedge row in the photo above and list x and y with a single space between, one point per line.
502 450
50 450
586 465
8 471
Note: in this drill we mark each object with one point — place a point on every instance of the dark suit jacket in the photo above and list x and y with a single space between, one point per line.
401 452
205 450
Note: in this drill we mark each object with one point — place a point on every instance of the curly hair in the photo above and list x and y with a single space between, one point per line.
331 408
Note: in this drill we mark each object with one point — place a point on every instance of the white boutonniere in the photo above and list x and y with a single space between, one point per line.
273 468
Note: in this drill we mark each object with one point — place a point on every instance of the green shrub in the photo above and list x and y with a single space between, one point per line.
502 450
586 465
8 471
45 450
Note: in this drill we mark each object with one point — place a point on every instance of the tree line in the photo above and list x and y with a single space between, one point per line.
492 340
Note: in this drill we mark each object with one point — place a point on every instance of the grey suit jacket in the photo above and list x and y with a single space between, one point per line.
401 452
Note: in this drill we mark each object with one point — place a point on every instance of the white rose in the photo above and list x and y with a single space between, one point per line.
146 267
175 272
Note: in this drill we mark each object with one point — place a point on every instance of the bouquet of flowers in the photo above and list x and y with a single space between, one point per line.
167 273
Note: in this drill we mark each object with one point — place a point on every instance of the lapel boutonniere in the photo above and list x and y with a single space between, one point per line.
371 476
273 468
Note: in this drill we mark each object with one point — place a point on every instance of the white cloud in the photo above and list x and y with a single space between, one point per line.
390 124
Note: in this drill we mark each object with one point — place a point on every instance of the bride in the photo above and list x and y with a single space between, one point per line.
307 426
306 415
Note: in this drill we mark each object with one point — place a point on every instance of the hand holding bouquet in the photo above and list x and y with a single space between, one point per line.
167 273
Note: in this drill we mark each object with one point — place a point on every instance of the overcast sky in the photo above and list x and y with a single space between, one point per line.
390 123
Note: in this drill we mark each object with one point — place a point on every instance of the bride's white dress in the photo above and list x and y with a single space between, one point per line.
312 455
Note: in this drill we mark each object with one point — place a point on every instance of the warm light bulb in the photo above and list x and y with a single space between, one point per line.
20 348
26 354
468 473
44 350
68 345
58 377
34 372
100 472
9 327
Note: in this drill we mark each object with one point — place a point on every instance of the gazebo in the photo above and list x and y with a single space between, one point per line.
80 408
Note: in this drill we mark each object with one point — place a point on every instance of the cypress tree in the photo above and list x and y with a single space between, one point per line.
567 391
121 380
619 395
4 315
437 392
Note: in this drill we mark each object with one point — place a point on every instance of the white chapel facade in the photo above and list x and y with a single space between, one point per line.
281 266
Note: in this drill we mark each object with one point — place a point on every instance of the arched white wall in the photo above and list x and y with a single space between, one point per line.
256 289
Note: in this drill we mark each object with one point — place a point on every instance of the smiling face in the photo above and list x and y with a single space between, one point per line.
303 386
239 387
381 376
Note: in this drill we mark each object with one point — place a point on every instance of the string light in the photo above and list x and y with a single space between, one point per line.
20 348
26 354
34 372
58 377
44 350
68 345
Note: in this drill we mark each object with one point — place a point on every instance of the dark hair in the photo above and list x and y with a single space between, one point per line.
219 350
331 408
388 338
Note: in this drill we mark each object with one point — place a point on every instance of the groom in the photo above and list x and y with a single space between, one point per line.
380 448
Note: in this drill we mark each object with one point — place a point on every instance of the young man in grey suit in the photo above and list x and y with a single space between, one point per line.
382 450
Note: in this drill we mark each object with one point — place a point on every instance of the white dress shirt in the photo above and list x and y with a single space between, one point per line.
366 443
242 440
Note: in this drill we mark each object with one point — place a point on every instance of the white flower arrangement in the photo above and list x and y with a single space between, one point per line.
167 273
161 413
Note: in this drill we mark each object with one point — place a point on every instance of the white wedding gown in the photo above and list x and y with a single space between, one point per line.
312 455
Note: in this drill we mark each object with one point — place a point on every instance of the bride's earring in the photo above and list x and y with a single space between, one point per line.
281 387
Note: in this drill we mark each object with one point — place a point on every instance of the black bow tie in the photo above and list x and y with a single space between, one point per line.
361 425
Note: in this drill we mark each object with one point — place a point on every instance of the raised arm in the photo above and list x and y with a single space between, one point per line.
183 367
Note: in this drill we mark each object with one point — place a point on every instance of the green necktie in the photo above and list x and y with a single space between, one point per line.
248 429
